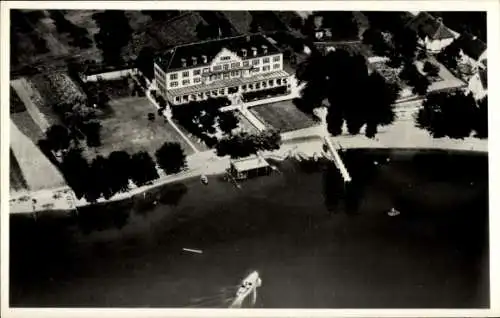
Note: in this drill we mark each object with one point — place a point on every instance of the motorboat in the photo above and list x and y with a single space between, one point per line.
249 283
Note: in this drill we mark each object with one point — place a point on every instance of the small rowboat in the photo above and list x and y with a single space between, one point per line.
204 179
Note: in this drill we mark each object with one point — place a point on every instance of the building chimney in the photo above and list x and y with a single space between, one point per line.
254 51
184 63
244 52
204 59
194 59
248 38
264 49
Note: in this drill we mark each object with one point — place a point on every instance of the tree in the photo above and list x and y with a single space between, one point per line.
58 137
144 62
420 85
448 114
143 168
255 26
405 43
380 99
227 122
76 171
93 132
100 180
120 170
481 122
431 69
243 144
354 97
412 76
171 157
450 55
342 24
114 33
297 23
376 40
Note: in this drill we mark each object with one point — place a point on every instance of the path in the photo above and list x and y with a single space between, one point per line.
168 117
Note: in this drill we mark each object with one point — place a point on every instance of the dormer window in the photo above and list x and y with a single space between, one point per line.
183 62
254 51
264 49
194 60
204 59
244 52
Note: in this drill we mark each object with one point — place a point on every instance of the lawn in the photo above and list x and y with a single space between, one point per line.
283 116
129 129
244 124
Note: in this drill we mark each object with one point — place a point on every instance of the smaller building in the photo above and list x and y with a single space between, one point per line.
249 167
478 84
472 51
433 35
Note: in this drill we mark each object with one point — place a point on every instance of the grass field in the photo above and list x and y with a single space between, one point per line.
27 126
17 181
16 105
283 116
129 129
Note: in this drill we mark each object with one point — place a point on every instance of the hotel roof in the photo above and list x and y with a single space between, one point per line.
173 58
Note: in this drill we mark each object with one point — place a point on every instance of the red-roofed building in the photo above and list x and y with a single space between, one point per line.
433 35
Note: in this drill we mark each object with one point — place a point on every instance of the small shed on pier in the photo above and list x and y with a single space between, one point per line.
248 167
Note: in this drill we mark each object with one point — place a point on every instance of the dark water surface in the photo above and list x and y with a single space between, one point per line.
314 246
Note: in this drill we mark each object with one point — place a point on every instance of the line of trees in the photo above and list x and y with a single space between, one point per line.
455 115
355 96
105 177
243 144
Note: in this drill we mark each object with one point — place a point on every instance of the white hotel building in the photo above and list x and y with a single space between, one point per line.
222 67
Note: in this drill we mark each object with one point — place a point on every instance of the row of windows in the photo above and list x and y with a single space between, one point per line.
185 82
173 76
225 67
222 91
266 68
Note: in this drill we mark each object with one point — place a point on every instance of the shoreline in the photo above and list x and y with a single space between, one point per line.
211 169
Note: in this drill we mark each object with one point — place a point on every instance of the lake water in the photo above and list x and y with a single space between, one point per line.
314 245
